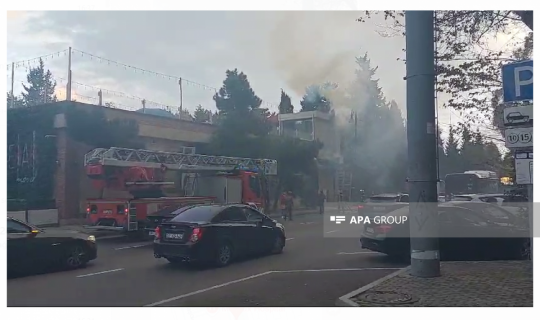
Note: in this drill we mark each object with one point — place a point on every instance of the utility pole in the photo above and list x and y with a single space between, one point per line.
68 86
422 144
12 84
100 97
181 98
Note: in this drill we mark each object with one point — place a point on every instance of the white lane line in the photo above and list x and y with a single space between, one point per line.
359 252
133 246
331 231
256 276
289 239
98 273
207 289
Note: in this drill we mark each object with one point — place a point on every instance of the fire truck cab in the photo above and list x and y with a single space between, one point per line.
197 179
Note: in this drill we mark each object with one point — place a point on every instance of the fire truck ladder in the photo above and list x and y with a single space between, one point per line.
123 157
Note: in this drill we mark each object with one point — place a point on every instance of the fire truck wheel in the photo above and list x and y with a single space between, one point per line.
75 257
224 254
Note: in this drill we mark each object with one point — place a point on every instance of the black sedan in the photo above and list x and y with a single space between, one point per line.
217 234
31 249
467 231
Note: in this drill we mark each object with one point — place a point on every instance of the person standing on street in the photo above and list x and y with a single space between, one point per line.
340 201
289 204
283 205
321 200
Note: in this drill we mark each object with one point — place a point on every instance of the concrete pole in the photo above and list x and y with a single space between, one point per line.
12 84
422 144
68 86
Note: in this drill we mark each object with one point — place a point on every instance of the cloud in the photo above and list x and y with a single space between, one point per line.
200 46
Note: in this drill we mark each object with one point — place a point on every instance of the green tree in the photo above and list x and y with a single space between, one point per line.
202 115
375 141
40 87
466 68
452 155
285 105
314 100
14 101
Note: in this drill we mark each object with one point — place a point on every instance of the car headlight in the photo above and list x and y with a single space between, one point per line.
91 239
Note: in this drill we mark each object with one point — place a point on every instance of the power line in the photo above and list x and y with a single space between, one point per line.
28 62
113 93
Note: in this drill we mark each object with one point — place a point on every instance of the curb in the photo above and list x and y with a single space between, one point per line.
345 300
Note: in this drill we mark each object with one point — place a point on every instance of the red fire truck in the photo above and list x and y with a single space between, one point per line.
146 174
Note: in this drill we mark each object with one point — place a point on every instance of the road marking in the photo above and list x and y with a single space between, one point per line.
331 231
97 273
359 252
133 246
207 289
308 223
254 277
289 239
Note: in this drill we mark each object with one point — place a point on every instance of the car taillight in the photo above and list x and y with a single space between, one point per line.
126 210
383 229
157 233
360 207
88 210
196 235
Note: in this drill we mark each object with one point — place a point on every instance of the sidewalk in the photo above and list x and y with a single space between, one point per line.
462 284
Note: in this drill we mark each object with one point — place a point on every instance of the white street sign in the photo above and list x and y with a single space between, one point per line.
519 137
518 116
524 168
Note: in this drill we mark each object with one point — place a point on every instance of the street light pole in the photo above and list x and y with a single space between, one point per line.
422 144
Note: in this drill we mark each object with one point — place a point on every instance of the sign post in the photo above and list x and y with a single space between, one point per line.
517 81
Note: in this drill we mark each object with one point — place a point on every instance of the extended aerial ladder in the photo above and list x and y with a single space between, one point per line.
186 160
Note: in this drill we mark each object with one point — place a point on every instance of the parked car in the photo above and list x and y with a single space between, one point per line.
217 234
468 230
31 249
383 203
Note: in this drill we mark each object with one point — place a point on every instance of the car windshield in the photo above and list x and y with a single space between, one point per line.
196 214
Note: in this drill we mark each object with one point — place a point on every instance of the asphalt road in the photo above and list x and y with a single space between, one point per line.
314 270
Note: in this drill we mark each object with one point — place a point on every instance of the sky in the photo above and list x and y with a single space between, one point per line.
277 50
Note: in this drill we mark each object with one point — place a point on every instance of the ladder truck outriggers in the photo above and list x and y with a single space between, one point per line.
197 179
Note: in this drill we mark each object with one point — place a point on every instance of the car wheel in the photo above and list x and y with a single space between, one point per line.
525 250
279 244
75 257
224 254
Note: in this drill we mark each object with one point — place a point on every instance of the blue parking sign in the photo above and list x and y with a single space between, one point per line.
518 81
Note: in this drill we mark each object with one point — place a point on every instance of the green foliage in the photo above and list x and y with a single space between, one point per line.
202 115
470 152
466 68
14 101
374 140
239 110
285 104
314 100
40 87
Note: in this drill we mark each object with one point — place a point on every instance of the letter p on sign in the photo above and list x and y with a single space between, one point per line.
518 81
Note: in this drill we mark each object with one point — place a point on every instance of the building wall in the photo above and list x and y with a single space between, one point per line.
73 187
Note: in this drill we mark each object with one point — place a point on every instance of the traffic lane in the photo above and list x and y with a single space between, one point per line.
135 278
315 288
